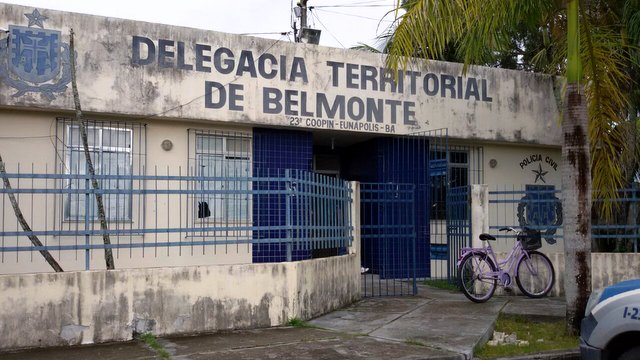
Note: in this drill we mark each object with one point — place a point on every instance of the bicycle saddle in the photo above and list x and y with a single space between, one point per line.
486 237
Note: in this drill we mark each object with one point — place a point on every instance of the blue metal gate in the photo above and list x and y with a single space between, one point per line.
387 223
458 226
405 196
452 169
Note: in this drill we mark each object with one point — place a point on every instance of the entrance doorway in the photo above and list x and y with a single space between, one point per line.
395 204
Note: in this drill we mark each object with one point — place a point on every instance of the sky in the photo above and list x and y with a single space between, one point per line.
344 23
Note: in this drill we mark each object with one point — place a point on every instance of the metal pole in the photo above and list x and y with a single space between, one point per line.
414 260
303 14
287 174
87 240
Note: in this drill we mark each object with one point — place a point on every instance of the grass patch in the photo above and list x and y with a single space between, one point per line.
541 335
413 342
299 323
441 284
152 342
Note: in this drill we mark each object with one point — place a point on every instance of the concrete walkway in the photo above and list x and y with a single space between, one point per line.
435 324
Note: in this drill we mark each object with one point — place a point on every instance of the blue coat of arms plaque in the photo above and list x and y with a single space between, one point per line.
35 59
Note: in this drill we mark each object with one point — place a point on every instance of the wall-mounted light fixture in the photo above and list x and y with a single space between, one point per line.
493 163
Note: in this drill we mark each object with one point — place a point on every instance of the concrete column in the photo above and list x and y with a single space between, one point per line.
354 249
479 212
355 218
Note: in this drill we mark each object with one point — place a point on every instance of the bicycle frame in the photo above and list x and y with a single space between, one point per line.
503 277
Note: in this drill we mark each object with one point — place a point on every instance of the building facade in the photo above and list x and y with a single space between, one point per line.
167 100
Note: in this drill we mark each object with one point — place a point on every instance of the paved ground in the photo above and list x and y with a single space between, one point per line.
435 324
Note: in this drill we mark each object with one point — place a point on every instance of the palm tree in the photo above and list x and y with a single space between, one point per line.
569 34
576 181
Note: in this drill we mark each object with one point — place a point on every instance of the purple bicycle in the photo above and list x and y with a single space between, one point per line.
479 271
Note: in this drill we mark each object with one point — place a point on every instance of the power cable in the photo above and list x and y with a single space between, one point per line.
349 6
267 33
330 33
363 2
353 15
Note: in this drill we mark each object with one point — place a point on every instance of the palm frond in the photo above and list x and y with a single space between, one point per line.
610 36
365 47
479 29
631 17
605 81
425 28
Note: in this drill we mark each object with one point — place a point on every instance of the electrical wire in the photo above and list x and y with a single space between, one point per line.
330 33
364 2
313 19
267 33
349 6
353 15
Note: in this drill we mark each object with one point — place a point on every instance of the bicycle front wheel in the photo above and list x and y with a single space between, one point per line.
476 278
534 274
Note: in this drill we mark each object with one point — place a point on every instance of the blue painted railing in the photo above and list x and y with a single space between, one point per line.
540 207
291 209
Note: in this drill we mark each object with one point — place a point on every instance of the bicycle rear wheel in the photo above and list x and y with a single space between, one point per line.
475 281
534 274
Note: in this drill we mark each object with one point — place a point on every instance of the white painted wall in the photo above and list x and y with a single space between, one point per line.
512 167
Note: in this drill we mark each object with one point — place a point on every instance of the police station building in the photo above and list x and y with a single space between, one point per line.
166 100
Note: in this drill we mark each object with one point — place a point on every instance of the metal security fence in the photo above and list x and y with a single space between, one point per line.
169 219
453 168
621 233
540 207
388 233
534 206
458 226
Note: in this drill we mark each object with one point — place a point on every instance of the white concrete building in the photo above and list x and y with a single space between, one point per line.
167 100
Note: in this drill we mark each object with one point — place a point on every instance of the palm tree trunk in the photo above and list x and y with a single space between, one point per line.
23 222
576 191
576 183
108 255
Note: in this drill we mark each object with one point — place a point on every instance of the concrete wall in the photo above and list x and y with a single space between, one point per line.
39 310
114 77
606 269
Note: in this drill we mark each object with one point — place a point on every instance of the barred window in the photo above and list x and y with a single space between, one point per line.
224 161
113 150
459 171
